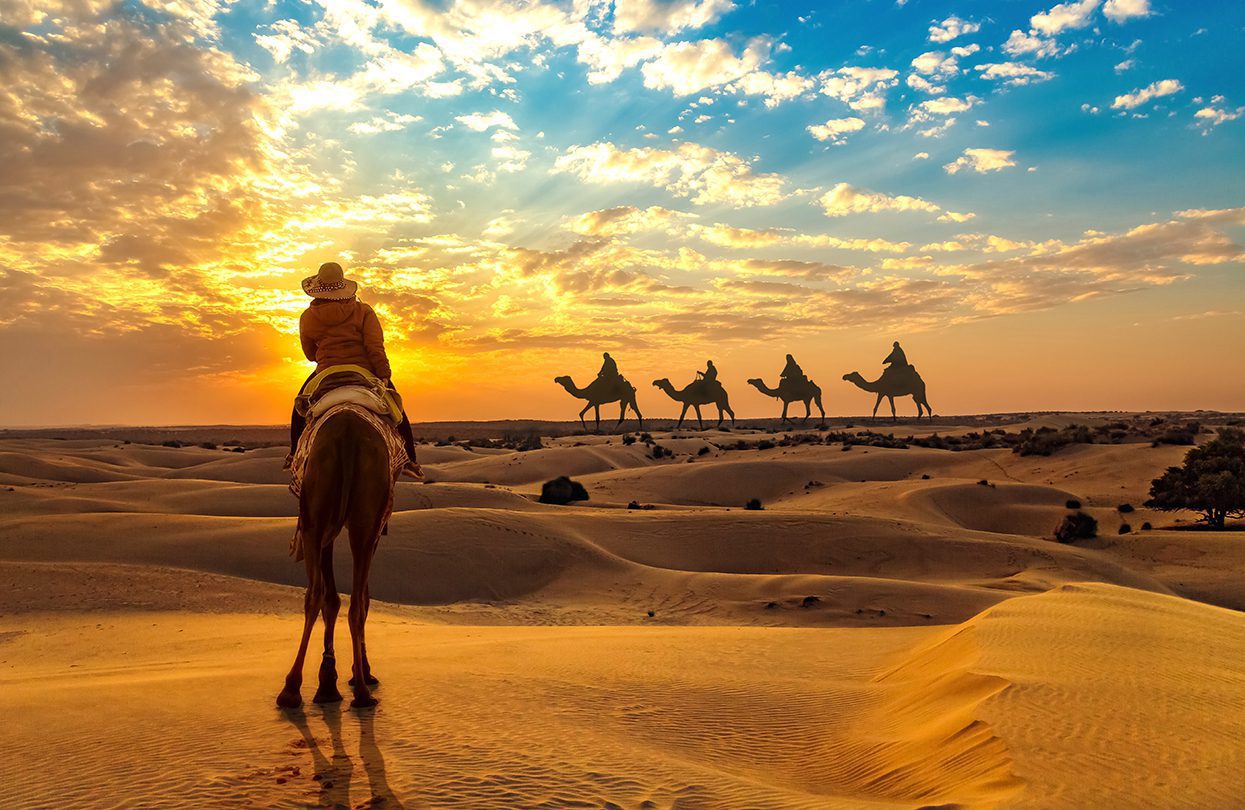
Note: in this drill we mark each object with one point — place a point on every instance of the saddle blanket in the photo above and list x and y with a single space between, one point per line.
302 454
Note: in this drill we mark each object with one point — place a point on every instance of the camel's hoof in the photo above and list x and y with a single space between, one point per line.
369 679
327 695
289 700
364 702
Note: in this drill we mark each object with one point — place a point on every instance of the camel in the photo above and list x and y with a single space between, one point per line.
695 394
894 385
348 483
789 391
601 392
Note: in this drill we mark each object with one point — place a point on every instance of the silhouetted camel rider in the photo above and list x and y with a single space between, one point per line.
609 369
710 374
791 372
896 359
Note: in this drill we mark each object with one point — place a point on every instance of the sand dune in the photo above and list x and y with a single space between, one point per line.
888 631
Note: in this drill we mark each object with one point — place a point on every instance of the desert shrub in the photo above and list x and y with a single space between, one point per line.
1125 508
1076 526
628 439
1211 481
765 444
1046 440
237 449
647 438
1145 527
1179 436
661 452
562 490
1125 528
754 505
983 483
1072 503
208 445
171 443
704 451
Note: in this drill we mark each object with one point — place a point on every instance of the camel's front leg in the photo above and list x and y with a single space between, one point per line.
699 421
596 416
682 414
582 423
290 697
785 404
893 417
368 677
808 409
622 410
875 406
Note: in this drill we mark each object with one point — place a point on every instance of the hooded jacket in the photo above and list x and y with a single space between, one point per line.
339 332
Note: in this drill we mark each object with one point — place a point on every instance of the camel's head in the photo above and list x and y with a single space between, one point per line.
755 381
852 376
662 383
562 381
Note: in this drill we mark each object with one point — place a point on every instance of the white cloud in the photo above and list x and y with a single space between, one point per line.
479 122
1123 10
951 28
389 122
936 64
1064 16
836 129
689 67
1127 64
860 88
1133 100
667 17
918 82
1020 43
982 161
1013 73
921 156
1211 117
846 199
699 173
775 87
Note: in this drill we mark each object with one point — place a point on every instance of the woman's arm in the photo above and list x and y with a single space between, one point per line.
309 344
374 343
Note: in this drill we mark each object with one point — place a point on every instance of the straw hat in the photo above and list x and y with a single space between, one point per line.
330 282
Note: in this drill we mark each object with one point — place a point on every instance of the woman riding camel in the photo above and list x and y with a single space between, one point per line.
339 329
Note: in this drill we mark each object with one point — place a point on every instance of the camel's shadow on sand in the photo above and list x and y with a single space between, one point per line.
335 770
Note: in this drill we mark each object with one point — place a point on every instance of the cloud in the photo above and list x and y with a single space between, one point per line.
389 122
686 68
627 219
749 238
951 28
1133 100
945 107
1064 16
1120 11
1211 117
862 89
836 129
921 156
668 17
846 199
981 161
481 122
1013 73
775 87
698 173
1021 43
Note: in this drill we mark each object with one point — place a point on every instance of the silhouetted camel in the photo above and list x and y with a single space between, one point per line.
695 394
348 483
602 391
890 385
789 391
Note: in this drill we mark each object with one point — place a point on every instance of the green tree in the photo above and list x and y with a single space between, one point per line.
1211 480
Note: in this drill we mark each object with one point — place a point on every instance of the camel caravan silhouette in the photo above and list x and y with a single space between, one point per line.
609 386
900 379
704 390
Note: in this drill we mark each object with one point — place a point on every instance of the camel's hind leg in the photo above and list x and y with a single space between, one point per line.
327 691
700 422
876 403
817 399
364 536
894 418
289 698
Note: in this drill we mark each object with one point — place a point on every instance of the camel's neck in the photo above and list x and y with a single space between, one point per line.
864 384
670 390
573 389
765 389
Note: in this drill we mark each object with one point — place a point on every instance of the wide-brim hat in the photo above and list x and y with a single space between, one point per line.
330 282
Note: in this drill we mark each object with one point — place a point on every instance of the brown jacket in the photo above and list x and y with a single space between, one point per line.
338 332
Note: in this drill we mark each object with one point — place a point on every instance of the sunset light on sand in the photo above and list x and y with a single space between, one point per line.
1042 202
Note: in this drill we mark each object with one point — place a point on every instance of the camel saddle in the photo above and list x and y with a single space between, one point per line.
348 383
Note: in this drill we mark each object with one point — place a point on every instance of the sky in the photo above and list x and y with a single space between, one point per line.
1045 203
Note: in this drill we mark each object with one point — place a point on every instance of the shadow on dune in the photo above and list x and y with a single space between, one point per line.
335 772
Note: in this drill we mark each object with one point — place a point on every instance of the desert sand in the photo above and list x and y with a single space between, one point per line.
889 631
